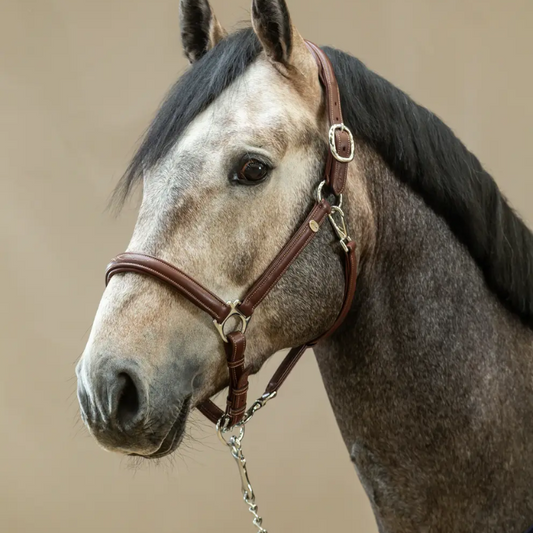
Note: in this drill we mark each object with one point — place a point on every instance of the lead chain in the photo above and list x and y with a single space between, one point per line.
235 445
247 489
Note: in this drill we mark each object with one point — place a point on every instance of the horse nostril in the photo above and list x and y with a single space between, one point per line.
128 401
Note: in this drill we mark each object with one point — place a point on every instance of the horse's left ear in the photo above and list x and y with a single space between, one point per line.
200 29
273 26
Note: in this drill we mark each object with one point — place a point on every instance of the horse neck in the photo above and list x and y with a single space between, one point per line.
430 377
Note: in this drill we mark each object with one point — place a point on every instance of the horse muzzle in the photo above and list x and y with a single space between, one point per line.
128 415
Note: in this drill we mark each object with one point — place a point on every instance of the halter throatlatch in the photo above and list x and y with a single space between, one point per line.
235 416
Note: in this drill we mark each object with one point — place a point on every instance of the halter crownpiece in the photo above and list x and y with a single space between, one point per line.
341 152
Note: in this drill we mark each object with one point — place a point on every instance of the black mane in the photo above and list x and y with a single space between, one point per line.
419 148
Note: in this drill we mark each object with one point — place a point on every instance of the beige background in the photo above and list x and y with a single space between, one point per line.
79 81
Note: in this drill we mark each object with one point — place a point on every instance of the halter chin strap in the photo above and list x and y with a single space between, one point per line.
340 154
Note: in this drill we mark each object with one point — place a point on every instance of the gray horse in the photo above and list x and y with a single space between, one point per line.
431 375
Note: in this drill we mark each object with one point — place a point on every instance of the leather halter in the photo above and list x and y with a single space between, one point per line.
340 154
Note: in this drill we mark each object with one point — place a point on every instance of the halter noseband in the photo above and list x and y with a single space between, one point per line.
340 154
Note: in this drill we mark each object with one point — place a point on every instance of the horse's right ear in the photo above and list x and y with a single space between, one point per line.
200 29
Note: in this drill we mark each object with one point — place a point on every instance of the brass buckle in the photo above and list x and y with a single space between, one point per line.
333 145
234 311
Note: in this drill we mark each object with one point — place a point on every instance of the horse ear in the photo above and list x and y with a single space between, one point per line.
272 24
200 29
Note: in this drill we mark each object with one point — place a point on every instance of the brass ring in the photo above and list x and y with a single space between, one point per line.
319 196
234 311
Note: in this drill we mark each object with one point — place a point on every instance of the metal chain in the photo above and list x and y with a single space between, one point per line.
247 489
235 445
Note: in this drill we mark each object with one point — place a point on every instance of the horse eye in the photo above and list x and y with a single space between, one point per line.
253 171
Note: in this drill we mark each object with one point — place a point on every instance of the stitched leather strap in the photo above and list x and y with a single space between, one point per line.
169 274
285 258
211 411
238 376
350 267
236 401
295 354
238 383
286 367
336 172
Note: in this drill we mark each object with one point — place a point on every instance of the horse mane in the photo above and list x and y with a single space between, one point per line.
425 154
417 146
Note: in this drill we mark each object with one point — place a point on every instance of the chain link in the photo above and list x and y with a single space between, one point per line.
248 494
235 445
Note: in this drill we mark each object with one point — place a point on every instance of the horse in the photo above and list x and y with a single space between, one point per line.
430 375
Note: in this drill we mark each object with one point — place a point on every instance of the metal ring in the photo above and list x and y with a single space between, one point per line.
234 311
319 196
223 426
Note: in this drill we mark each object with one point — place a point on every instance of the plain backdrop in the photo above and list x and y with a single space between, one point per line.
79 82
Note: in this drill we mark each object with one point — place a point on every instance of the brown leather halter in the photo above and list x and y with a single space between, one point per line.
340 154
